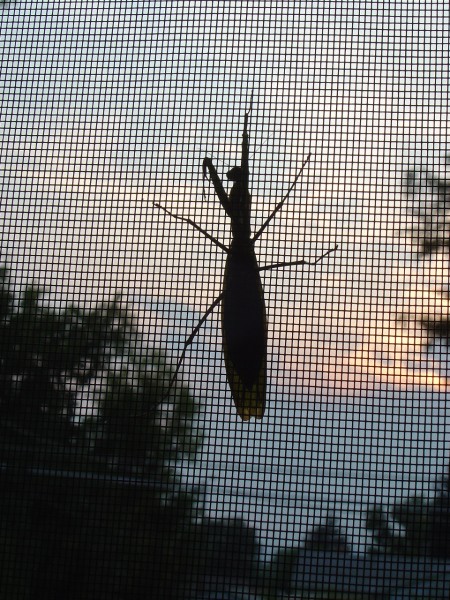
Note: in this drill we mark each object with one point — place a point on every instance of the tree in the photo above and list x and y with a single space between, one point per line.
425 524
49 357
281 569
327 537
428 197
94 508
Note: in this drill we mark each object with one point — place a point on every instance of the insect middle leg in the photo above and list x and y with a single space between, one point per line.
194 225
297 262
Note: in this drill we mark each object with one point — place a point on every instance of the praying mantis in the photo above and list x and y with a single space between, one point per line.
244 317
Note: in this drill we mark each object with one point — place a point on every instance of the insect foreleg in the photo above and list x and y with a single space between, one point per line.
194 225
191 339
280 204
218 186
297 262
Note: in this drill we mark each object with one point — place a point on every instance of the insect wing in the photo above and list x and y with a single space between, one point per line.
249 401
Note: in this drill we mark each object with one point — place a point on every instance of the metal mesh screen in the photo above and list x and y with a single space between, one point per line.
126 469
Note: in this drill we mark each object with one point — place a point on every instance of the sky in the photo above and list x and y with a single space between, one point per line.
108 107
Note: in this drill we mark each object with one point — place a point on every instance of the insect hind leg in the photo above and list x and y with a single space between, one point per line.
192 224
190 340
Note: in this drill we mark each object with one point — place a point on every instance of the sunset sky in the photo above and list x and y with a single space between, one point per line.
104 112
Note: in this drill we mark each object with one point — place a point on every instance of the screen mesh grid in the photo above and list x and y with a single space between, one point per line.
126 469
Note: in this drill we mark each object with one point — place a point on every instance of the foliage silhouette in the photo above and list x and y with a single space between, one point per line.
93 507
428 197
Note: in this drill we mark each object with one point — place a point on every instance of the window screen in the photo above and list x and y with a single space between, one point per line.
284 169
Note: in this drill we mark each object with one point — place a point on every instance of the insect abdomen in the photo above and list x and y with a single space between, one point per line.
244 326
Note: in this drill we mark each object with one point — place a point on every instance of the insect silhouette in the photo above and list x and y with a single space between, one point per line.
244 318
